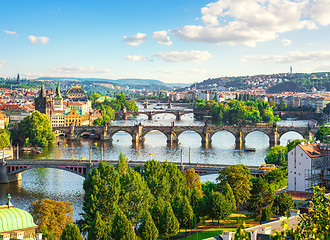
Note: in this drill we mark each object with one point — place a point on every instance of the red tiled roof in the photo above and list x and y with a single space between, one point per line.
312 150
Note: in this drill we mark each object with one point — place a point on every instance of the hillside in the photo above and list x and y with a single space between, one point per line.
272 83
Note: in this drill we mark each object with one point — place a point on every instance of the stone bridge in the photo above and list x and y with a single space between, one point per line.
10 171
150 114
172 132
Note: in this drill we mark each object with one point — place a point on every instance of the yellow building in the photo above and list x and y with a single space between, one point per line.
73 117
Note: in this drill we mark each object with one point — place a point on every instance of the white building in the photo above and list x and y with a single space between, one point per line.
305 167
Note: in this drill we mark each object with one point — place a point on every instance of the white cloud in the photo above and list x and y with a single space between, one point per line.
286 42
319 12
1 63
136 58
81 69
186 56
38 40
10 32
162 38
291 57
249 22
135 40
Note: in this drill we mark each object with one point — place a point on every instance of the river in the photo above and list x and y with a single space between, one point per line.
64 186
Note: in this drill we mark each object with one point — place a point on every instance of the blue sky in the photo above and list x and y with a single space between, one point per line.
169 40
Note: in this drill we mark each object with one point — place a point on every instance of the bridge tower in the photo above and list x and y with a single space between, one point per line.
274 136
178 115
137 136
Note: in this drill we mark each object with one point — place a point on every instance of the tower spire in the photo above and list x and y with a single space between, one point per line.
42 92
58 91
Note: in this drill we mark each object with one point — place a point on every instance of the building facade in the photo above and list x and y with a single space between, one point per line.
73 117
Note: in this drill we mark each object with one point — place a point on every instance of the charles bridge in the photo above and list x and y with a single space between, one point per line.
10 170
172 132
125 115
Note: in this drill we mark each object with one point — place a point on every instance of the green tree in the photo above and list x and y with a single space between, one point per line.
229 196
37 129
147 230
282 106
169 224
98 122
4 139
317 222
98 229
135 197
122 166
220 208
238 177
261 196
102 189
322 133
193 180
326 109
240 233
195 201
277 155
265 215
186 213
51 215
122 228
292 144
283 203
71 232
157 212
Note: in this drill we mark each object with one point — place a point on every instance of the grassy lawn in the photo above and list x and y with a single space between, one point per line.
211 229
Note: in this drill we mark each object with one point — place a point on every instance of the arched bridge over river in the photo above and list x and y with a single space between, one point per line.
172 132
10 171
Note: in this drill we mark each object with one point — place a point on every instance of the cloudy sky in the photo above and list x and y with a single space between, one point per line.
169 40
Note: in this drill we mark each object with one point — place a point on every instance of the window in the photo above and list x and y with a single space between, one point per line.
302 154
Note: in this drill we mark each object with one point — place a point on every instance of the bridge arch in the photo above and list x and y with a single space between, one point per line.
285 137
78 170
151 131
263 139
223 139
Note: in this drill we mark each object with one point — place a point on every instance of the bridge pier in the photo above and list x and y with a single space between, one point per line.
172 138
274 139
178 116
206 140
150 116
3 173
240 141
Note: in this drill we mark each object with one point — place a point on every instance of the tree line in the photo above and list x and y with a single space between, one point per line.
109 106
237 111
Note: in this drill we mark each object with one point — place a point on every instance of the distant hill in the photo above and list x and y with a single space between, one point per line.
131 81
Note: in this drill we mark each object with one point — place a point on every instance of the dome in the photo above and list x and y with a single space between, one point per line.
76 89
14 219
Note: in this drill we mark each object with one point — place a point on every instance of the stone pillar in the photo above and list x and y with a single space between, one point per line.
149 116
172 137
3 173
137 136
274 139
72 131
240 140
15 177
104 132
206 140
178 116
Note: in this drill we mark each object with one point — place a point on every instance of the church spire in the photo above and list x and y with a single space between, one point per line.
58 91
42 92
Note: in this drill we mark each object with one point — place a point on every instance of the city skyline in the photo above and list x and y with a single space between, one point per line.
172 41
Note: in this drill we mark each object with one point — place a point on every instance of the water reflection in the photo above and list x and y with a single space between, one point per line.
62 185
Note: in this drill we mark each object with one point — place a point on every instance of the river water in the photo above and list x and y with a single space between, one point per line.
64 186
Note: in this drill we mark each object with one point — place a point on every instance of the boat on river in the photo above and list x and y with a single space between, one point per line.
249 150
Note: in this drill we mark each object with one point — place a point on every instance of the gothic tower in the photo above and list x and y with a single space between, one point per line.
43 103
58 100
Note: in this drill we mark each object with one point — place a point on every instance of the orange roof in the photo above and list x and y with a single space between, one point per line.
312 150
